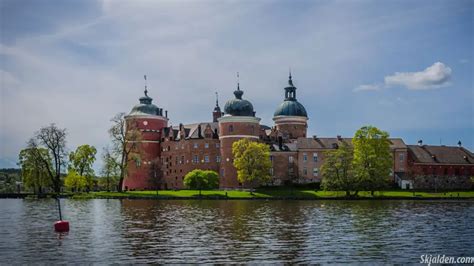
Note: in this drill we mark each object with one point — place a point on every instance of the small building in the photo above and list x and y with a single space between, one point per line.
439 167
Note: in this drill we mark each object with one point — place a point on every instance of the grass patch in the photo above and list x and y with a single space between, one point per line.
270 194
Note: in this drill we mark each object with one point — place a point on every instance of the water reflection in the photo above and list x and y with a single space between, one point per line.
183 231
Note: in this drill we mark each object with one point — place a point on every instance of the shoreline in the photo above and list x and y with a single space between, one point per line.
258 195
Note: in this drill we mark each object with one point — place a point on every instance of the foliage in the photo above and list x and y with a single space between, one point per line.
125 139
34 173
8 180
74 181
372 158
110 170
338 171
252 161
201 179
81 162
54 140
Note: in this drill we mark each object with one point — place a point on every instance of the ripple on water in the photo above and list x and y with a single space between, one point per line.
145 231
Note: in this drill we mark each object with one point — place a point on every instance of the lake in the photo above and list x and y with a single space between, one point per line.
220 231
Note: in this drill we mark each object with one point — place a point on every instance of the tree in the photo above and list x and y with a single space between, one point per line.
54 140
74 181
81 162
155 175
201 179
338 171
110 169
252 161
34 173
372 158
125 142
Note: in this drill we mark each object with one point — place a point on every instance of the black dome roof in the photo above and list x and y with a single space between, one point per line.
290 106
238 106
145 107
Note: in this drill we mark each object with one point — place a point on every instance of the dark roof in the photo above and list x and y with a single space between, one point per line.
329 143
290 106
238 106
145 107
192 130
441 154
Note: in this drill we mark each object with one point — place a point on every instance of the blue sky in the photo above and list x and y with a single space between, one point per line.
403 66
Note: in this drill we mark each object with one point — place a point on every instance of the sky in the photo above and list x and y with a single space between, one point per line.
403 66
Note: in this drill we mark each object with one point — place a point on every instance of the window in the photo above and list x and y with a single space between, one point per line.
217 145
206 145
315 157
305 157
138 162
195 145
401 156
315 171
182 160
195 159
271 171
231 128
305 171
291 170
222 172
218 159
252 129
206 158
271 158
290 159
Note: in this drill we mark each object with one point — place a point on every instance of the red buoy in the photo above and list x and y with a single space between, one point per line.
61 226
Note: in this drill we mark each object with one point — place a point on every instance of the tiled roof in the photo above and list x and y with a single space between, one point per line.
441 154
329 143
191 130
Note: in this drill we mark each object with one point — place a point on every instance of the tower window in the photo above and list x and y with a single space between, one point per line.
231 128
195 145
218 159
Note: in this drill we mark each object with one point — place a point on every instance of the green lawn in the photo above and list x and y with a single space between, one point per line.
270 193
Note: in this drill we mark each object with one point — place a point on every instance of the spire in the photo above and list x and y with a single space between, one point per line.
238 82
238 93
146 91
290 81
217 99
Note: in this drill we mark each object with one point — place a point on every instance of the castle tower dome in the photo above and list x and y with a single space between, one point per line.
290 117
148 121
238 122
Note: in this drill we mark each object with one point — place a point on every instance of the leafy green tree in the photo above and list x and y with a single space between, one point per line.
74 181
34 173
372 158
201 179
81 162
54 140
125 141
252 161
110 169
338 171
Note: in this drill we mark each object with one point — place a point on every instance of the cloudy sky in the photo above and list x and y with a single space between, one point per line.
404 66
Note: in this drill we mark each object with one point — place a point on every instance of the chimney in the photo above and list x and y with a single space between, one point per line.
459 144
166 113
339 137
315 137
199 131
420 142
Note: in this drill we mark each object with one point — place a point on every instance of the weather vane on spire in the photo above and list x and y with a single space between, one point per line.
146 91
217 99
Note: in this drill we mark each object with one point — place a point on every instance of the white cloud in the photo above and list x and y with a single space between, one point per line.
369 87
436 76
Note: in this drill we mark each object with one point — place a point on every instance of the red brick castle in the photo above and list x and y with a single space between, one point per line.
168 153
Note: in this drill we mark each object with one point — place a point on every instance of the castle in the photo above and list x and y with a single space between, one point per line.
168 153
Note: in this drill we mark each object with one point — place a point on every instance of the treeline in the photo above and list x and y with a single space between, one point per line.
47 165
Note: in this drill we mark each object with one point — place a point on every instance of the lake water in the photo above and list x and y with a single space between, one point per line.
186 231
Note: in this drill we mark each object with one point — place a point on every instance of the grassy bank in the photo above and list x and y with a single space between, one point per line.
274 194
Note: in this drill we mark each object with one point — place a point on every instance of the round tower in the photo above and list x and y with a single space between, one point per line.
238 122
144 125
290 117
